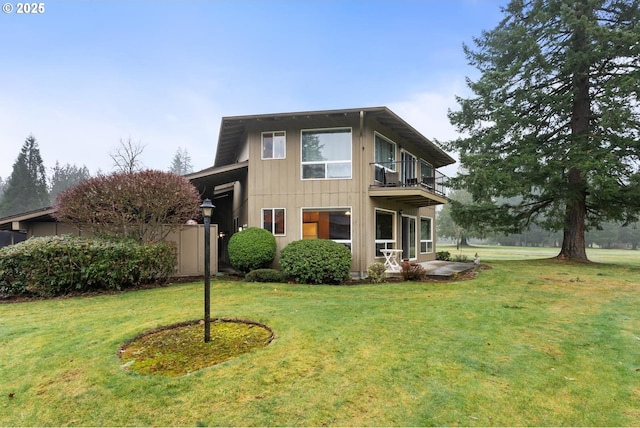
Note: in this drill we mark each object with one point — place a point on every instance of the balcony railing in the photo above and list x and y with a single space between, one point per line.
409 174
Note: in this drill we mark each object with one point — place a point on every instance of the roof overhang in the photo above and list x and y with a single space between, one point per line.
207 179
234 128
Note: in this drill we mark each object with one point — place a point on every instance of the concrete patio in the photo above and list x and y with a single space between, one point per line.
442 268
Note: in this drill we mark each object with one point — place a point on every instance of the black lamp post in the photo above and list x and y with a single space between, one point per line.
207 210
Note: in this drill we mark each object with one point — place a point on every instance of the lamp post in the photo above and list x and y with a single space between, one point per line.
207 210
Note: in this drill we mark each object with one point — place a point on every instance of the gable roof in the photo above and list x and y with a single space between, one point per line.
233 131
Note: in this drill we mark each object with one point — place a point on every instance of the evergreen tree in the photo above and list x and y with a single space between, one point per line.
26 188
181 164
555 119
64 177
449 228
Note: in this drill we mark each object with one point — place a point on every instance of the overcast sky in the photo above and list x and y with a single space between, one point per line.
83 75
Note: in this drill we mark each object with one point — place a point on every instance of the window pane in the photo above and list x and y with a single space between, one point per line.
267 146
313 171
339 225
327 224
385 153
384 225
279 142
267 220
423 247
330 145
339 170
425 228
279 222
412 238
426 171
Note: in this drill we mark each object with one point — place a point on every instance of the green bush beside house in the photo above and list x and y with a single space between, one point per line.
58 265
253 248
316 261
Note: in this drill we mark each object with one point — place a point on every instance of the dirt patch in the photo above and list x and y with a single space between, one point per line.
179 349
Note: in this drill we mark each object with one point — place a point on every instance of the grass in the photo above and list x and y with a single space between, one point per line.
529 342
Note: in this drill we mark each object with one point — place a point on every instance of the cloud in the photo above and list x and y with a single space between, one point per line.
427 111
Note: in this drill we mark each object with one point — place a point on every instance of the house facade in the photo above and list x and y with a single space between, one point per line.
361 177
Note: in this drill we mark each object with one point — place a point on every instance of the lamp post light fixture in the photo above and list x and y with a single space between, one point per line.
207 211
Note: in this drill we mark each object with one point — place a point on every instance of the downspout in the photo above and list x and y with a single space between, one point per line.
363 195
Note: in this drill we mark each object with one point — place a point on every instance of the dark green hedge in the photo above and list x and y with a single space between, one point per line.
316 261
57 265
264 275
251 249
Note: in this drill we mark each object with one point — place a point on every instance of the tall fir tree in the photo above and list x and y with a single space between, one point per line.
181 163
64 177
555 119
26 188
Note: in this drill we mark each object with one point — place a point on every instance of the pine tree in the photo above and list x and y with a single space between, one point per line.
181 163
555 119
64 177
26 188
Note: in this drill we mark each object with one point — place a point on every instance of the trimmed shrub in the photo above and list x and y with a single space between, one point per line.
251 249
316 261
57 265
461 258
443 255
264 275
137 205
377 273
412 272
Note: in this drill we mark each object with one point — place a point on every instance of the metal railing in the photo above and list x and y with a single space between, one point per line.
409 174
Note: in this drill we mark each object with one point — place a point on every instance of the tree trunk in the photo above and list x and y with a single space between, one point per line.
573 242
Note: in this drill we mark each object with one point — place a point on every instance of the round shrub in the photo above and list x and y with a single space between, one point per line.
57 265
264 275
377 273
251 249
316 261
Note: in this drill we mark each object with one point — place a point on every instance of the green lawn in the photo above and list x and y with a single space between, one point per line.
529 342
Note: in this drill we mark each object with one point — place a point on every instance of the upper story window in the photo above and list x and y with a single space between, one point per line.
274 145
385 152
326 153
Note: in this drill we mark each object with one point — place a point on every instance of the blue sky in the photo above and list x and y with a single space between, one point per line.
84 75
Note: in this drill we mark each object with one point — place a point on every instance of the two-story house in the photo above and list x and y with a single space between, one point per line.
362 177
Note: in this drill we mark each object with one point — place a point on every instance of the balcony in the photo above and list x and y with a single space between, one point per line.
406 184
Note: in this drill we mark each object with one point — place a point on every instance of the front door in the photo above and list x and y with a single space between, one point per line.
409 238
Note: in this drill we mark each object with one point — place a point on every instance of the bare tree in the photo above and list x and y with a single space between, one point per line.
126 158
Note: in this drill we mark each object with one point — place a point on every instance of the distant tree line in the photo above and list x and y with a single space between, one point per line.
608 235
29 187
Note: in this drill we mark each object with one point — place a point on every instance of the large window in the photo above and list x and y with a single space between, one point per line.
426 235
385 152
408 173
274 145
326 153
327 223
273 220
427 175
385 231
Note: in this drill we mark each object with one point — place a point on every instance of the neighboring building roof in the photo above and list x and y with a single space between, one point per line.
13 222
233 130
